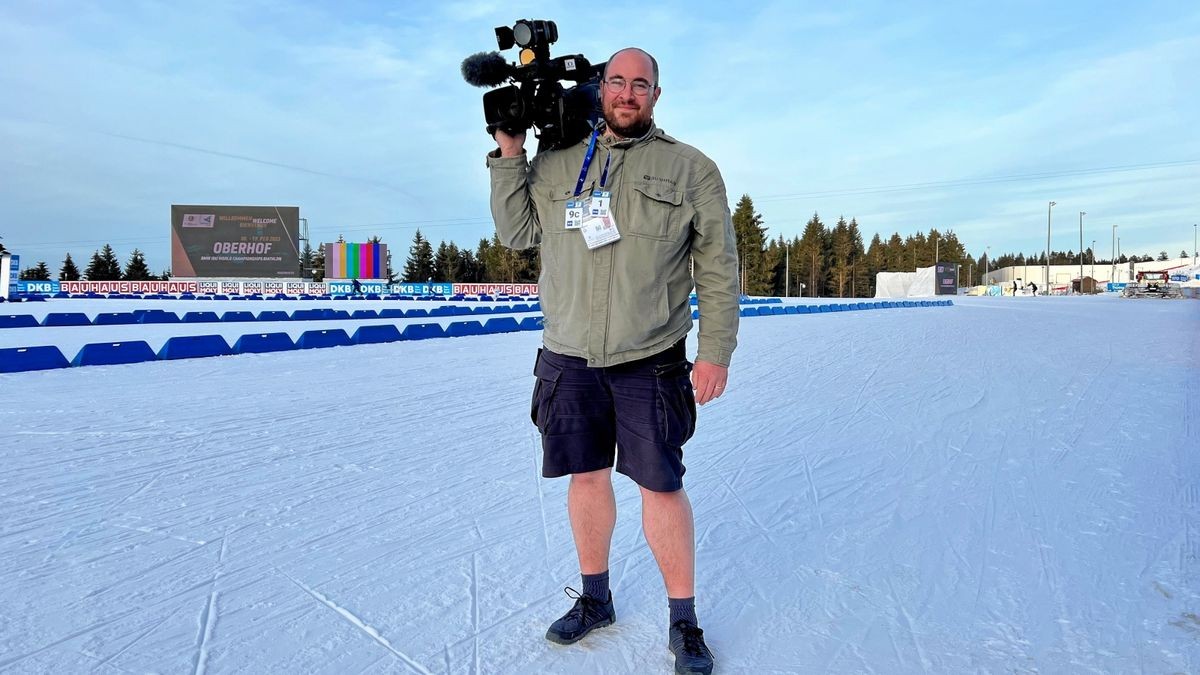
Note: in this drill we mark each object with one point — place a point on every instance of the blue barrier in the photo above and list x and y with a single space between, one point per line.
114 319
18 321
532 323
260 343
25 359
747 311
320 339
464 329
392 313
778 310
66 319
237 317
194 347
483 310
518 308
113 353
791 309
201 317
416 313
273 315
376 334
695 314
501 324
444 310
423 331
535 307
364 314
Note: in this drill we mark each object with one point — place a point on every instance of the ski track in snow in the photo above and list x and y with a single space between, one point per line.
1008 485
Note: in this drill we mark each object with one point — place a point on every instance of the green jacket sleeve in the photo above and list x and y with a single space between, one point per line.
715 265
512 205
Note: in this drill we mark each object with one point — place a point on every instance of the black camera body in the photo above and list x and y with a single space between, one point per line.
535 95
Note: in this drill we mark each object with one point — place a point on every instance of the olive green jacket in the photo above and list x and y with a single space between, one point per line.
629 299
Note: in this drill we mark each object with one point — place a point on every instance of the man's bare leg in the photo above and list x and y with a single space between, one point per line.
593 511
670 531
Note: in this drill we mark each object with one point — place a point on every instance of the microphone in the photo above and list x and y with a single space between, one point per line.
485 69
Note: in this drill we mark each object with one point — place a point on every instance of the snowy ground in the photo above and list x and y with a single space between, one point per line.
1007 485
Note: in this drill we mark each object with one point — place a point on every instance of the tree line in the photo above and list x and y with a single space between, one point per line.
104 266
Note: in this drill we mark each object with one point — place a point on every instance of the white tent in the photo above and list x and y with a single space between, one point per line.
919 284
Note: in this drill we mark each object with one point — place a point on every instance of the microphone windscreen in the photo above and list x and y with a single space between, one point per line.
485 69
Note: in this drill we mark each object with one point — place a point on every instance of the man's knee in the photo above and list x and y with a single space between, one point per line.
600 477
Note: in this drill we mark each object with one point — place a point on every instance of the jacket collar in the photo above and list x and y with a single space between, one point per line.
624 143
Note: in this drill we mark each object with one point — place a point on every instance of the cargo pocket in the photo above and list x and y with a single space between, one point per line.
654 212
676 402
543 391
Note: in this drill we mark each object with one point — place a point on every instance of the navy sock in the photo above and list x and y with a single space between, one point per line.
596 585
683 608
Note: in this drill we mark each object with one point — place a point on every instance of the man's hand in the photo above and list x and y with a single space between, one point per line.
510 145
708 380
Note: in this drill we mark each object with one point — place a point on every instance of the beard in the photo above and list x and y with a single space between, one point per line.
635 128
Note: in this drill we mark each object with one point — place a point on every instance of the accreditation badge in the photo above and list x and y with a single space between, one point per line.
598 205
574 215
599 231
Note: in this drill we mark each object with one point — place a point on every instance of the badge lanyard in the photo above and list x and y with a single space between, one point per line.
587 164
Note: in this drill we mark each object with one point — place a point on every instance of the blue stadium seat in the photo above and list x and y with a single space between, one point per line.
24 359
319 339
114 319
66 319
532 323
194 347
18 321
464 328
157 316
366 335
501 324
423 331
113 353
259 343
237 317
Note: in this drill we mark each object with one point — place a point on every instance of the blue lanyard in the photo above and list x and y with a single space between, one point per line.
587 163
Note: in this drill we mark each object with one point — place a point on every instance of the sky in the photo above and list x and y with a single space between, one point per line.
969 117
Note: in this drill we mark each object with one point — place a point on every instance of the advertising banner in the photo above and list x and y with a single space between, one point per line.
495 289
130 286
10 274
40 287
235 241
355 261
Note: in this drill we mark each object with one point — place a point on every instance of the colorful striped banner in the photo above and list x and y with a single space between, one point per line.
355 261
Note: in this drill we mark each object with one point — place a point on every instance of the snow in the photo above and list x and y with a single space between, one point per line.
948 489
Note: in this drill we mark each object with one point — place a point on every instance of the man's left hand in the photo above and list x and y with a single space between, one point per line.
708 380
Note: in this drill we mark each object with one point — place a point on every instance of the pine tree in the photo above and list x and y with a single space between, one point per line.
1163 255
318 264
812 256
444 262
419 267
136 269
306 259
38 272
751 245
104 266
95 268
166 275
842 248
69 271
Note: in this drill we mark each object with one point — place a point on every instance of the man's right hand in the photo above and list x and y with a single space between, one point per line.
510 145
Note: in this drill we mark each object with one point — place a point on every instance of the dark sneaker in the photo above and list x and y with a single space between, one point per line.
588 613
692 656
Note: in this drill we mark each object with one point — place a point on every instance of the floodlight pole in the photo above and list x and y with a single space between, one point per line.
1081 215
1047 279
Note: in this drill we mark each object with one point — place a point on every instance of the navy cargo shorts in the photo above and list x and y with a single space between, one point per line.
638 413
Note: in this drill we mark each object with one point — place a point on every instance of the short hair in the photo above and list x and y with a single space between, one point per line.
653 61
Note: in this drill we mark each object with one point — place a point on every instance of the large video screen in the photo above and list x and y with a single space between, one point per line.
235 241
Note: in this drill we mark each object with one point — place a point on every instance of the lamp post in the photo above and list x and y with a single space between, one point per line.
987 266
1112 274
1093 252
1047 279
1193 244
1081 215
787 267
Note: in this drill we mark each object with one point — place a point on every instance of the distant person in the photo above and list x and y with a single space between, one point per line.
614 384
357 287
1015 286
1033 286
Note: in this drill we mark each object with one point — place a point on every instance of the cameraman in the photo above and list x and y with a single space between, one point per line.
613 373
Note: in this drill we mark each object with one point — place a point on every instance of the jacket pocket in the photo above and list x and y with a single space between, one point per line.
676 402
543 391
654 211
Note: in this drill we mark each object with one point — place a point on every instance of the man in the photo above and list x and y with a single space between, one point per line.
613 374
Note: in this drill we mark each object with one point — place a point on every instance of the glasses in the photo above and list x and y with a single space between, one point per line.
616 85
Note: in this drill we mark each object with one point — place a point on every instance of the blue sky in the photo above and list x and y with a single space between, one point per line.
897 114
